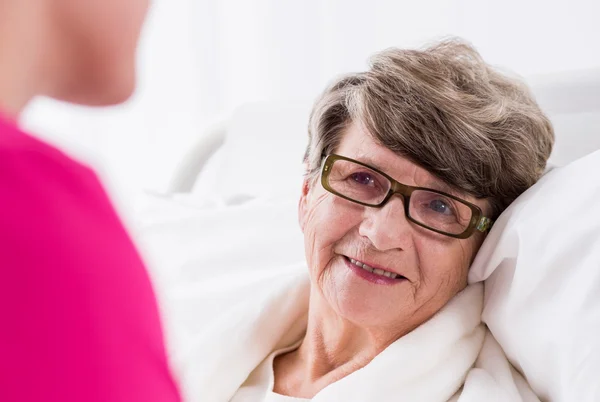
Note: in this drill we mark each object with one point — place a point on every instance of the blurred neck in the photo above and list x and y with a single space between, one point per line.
21 52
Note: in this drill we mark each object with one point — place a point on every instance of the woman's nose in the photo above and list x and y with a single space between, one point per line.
387 227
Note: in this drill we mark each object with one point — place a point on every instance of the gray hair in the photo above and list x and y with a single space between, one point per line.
446 110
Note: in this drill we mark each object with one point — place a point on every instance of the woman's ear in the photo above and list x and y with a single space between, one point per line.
302 203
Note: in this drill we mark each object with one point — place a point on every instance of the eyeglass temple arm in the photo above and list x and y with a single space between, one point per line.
484 224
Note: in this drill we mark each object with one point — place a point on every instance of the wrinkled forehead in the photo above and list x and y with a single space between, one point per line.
357 143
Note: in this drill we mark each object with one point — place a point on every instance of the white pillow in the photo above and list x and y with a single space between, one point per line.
261 156
541 266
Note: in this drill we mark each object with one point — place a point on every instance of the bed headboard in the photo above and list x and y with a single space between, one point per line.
571 99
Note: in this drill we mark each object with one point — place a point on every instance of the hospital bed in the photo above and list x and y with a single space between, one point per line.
232 205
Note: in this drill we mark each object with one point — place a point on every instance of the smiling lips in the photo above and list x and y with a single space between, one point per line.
376 271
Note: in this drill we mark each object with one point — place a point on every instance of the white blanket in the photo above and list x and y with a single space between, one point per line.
225 315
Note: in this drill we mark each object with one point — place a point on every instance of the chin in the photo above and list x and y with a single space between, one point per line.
109 95
364 312
106 88
114 97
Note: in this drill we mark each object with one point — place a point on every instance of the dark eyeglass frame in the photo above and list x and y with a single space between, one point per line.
478 221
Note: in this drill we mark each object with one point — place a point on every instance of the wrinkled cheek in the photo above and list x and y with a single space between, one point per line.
442 281
318 239
328 223
468 252
311 230
311 253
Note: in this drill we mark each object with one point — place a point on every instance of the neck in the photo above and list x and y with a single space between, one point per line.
20 52
332 349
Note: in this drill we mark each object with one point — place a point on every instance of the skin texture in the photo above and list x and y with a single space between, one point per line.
75 51
351 320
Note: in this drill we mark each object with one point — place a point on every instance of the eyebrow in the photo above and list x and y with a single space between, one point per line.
435 184
366 159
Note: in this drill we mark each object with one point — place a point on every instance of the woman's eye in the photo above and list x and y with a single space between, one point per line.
363 178
440 206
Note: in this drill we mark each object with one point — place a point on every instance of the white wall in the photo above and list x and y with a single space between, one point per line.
201 58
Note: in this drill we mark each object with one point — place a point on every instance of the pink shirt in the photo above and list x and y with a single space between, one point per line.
78 317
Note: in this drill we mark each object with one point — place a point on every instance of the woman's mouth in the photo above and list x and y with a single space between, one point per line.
372 274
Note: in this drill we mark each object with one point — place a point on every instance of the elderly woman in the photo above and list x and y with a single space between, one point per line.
408 165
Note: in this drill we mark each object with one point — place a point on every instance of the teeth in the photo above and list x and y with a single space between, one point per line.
376 271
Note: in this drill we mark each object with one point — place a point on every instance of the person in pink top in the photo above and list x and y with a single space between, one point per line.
78 316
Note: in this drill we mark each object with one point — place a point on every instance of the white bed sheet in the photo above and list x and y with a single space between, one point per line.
189 247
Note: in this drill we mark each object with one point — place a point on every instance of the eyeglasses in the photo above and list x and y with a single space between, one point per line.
434 210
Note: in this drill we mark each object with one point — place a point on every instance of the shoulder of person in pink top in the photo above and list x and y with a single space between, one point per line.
80 320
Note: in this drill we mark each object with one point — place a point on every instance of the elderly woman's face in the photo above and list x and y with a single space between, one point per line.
337 231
